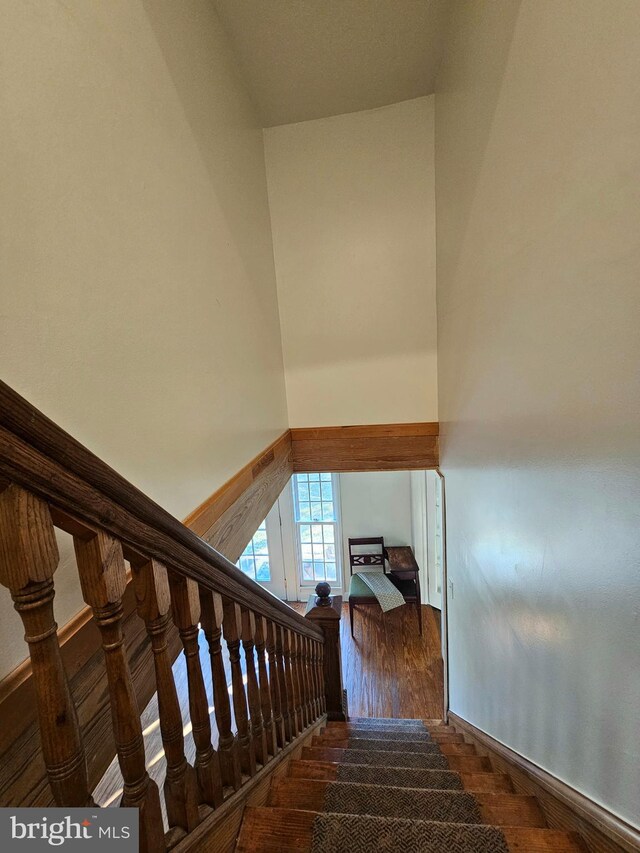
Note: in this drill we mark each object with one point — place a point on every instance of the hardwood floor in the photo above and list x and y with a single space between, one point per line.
389 670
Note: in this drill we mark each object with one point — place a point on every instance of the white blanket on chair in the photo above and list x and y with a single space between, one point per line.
389 596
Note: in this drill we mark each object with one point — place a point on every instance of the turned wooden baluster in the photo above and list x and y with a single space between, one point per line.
253 691
312 679
294 639
211 621
315 670
321 668
103 579
265 689
276 680
28 559
291 687
309 693
231 627
185 607
296 655
181 794
283 680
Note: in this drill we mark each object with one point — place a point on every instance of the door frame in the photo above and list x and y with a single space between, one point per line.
423 524
444 622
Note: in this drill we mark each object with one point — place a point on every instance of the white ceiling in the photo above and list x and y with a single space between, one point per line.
305 59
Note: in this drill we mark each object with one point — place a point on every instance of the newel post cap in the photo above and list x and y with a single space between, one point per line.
323 606
323 591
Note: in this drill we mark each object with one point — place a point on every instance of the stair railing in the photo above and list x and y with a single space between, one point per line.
47 481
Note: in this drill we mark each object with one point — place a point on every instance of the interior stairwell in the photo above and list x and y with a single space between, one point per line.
410 786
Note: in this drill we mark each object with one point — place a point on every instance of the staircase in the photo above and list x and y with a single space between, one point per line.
397 785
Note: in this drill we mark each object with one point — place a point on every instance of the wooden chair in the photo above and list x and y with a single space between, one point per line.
375 557
359 592
407 582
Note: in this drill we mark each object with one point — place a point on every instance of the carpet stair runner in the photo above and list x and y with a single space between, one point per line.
396 786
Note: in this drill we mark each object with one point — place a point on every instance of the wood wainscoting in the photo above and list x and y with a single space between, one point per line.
376 447
228 519
564 807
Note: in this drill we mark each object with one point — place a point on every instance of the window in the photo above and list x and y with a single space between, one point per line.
316 521
254 560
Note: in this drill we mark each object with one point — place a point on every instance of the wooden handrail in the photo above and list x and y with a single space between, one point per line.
45 460
181 584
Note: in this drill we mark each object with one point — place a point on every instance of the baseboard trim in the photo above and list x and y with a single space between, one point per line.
563 806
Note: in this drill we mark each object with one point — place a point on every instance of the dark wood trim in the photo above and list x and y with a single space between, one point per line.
563 806
373 447
218 832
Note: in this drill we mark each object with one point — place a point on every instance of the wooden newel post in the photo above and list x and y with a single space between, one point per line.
325 610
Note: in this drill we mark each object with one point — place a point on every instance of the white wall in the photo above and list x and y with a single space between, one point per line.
138 298
375 503
538 168
353 218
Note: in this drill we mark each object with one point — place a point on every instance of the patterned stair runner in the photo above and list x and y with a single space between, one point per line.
376 734
341 833
400 777
390 795
382 758
410 803
391 790
414 746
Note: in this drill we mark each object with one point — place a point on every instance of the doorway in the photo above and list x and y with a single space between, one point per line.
428 533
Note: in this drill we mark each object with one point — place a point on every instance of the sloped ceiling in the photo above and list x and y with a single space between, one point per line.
305 59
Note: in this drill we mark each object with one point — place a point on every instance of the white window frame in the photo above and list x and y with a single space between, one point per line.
250 546
305 587
278 583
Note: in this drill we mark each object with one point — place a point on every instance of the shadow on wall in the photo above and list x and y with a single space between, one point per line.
495 24
212 110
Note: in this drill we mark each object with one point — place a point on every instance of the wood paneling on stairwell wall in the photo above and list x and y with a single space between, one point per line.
376 447
230 517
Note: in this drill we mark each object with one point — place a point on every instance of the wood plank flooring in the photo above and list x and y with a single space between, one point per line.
389 670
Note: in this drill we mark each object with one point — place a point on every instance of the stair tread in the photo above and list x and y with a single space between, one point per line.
390 720
426 746
269 829
454 806
329 771
351 730
434 761
379 734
